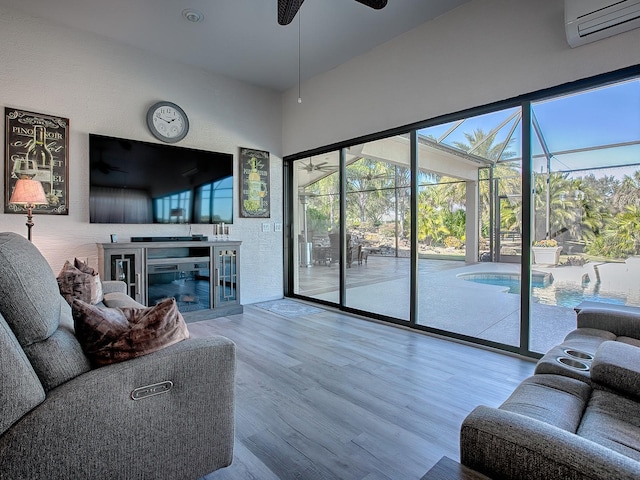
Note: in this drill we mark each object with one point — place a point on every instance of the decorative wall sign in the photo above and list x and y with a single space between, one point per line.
36 147
255 195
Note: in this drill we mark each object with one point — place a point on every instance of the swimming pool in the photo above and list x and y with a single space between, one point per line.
544 290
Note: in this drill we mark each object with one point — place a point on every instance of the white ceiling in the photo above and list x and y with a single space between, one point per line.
241 38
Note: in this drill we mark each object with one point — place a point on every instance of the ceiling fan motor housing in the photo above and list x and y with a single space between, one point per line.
287 9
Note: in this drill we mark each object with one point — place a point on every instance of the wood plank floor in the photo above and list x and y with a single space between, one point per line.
332 396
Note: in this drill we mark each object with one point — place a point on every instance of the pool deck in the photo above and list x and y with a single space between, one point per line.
450 303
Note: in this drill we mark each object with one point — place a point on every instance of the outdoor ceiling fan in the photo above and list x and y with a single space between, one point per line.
287 9
318 167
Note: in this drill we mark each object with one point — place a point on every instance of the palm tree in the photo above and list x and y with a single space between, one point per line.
506 177
369 185
562 204
628 232
629 192
323 206
431 227
622 239
592 206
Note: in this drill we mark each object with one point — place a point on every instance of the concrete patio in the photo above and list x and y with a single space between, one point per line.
448 302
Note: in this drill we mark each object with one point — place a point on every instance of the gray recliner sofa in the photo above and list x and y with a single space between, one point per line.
577 417
63 419
595 325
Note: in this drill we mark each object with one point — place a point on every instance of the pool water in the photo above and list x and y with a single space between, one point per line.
548 292
571 295
512 282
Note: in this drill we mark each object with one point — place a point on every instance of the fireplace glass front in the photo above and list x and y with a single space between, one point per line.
187 282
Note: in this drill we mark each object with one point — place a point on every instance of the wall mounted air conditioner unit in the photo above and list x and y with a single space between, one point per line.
590 20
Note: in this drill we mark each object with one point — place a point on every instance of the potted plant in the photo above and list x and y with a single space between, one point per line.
546 252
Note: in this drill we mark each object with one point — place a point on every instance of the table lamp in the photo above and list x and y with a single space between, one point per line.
29 193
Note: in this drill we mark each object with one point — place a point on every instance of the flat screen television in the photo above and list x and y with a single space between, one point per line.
138 182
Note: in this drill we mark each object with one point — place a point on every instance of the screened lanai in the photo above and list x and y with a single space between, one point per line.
583 166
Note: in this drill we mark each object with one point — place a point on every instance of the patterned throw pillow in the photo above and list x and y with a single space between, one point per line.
80 281
111 335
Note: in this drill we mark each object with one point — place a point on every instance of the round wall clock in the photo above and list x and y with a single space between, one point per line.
167 122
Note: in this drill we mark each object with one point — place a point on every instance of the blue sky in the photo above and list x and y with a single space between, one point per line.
603 116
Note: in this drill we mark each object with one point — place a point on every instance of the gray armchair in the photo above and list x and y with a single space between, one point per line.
63 419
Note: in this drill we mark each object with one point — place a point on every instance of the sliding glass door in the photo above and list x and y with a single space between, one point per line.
378 214
586 197
491 227
316 207
469 226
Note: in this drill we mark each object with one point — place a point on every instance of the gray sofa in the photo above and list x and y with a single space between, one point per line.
63 419
577 417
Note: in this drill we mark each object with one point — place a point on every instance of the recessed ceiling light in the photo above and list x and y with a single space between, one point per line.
192 15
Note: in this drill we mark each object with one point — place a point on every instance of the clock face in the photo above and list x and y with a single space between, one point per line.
167 122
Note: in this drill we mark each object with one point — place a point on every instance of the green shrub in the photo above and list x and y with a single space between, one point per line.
575 261
452 242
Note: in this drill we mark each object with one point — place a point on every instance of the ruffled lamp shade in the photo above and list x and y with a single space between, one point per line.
29 193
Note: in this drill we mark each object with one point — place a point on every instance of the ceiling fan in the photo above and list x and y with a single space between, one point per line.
287 9
318 167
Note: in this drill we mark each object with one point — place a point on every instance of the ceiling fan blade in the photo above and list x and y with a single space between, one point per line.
287 10
377 4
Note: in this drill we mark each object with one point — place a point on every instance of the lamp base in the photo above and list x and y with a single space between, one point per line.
29 223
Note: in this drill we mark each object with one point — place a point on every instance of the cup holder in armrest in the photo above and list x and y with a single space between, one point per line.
570 362
578 354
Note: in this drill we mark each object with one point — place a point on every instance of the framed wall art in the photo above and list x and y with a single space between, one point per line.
37 147
255 194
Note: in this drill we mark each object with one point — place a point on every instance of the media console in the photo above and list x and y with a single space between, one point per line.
202 276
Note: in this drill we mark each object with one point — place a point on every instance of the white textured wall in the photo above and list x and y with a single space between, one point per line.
481 52
106 88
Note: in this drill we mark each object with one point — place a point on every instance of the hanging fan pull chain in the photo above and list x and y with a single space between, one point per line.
299 57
